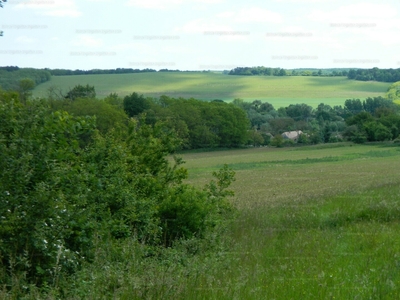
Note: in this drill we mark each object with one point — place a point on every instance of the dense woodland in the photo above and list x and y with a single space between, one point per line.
376 74
10 77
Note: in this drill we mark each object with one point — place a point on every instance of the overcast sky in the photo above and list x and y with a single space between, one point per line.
200 34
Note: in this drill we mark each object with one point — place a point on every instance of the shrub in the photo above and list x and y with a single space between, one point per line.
59 196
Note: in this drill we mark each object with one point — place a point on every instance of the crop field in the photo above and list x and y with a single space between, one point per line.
279 91
316 222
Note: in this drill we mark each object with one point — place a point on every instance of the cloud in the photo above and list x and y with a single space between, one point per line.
203 26
303 1
165 4
361 23
251 15
24 40
57 8
87 41
355 12
257 15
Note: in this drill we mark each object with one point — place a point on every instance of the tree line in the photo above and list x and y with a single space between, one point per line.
266 71
66 72
10 76
325 124
215 124
376 74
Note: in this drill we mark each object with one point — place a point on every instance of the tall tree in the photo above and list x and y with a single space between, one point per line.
80 91
25 86
134 104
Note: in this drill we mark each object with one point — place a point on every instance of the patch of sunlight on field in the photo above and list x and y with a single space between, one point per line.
279 91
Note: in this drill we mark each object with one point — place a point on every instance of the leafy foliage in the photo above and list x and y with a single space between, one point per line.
134 104
10 77
201 124
80 91
385 75
65 186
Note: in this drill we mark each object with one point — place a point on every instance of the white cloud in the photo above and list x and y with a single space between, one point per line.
361 23
58 8
257 14
165 4
303 1
24 40
251 15
87 41
355 12
135 48
226 14
154 4
204 26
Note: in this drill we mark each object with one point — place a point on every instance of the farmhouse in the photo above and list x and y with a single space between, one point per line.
292 135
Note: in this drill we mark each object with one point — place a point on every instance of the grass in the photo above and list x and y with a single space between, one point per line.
325 229
279 91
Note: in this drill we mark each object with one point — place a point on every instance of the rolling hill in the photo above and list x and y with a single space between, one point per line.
279 91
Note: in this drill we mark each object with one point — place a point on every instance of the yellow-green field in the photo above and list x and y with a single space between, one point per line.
266 175
314 223
279 91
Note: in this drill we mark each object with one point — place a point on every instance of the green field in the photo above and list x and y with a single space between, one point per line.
279 91
314 223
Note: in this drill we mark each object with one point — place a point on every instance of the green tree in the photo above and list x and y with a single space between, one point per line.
255 138
25 87
108 117
134 104
80 91
277 141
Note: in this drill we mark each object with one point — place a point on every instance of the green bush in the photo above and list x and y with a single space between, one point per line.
60 197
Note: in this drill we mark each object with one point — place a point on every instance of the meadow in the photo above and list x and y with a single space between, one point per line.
279 91
315 222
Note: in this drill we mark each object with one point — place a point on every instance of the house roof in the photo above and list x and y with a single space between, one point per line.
292 134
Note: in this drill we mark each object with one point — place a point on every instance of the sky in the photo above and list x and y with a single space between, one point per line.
200 34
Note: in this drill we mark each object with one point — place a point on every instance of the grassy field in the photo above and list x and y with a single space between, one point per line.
279 91
314 223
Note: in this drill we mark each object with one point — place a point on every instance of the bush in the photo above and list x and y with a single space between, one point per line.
59 197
